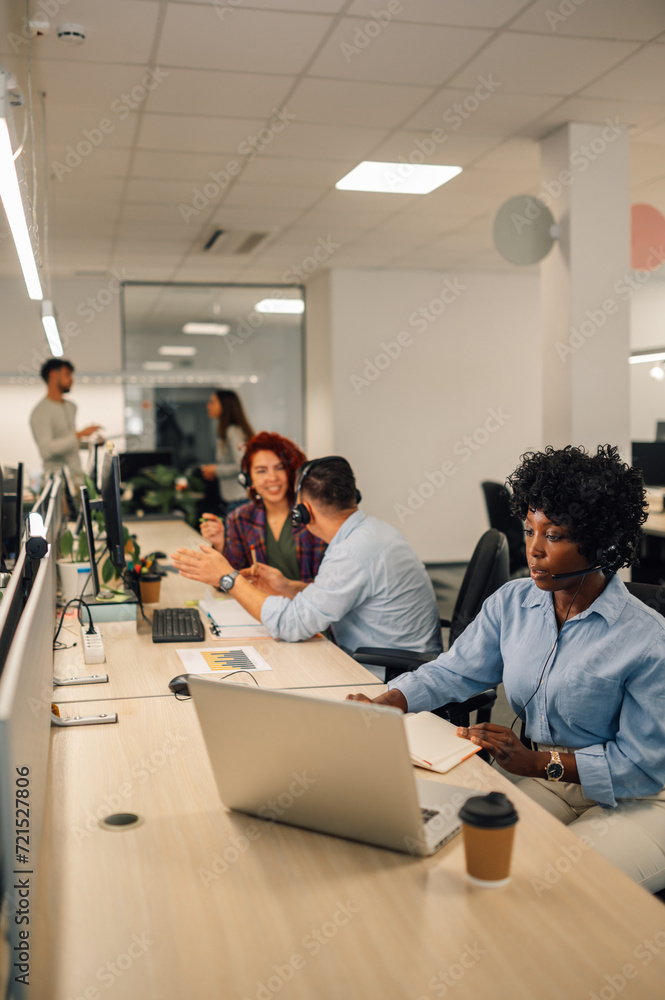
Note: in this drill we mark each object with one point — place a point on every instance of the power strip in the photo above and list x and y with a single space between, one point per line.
93 646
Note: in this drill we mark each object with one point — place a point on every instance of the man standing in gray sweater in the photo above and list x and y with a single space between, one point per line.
53 421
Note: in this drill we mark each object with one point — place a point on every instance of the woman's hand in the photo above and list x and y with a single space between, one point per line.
208 472
212 529
393 698
507 749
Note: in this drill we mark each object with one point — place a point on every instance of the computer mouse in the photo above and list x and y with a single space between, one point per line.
179 684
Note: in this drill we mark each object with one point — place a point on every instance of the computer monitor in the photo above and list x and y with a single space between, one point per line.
86 511
113 512
649 457
71 509
134 463
12 515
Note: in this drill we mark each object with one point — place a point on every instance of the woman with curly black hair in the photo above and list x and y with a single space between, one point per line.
581 659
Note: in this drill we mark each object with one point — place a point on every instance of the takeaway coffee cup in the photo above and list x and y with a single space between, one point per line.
488 830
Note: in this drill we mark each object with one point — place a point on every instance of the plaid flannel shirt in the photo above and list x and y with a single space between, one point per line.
246 526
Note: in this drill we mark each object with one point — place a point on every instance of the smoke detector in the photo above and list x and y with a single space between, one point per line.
71 34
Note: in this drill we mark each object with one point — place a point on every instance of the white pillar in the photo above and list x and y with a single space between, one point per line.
584 295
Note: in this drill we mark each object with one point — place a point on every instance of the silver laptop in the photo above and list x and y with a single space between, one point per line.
337 767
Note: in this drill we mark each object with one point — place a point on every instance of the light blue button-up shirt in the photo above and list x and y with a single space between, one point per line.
603 690
371 588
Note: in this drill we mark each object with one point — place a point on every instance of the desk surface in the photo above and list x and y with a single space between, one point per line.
137 667
187 905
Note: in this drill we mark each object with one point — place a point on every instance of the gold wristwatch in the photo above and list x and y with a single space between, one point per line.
554 769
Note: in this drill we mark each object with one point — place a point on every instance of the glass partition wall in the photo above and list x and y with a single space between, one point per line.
181 341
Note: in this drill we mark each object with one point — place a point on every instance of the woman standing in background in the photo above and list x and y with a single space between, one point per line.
233 433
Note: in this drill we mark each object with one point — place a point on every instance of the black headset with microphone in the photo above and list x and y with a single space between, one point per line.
299 513
606 559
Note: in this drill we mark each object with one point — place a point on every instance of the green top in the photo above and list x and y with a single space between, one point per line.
282 553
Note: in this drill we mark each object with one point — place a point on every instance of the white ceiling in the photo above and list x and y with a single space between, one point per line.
226 65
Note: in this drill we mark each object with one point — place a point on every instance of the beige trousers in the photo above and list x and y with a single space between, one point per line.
632 836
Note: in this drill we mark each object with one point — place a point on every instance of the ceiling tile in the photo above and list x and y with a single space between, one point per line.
107 90
588 109
195 134
166 192
71 126
227 8
286 195
595 19
480 13
286 170
209 92
512 154
640 78
399 53
246 40
480 111
346 102
535 64
333 142
458 149
194 167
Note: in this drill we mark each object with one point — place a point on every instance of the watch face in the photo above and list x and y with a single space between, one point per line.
227 581
554 770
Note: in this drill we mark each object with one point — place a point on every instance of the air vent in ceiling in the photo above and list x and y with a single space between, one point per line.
233 242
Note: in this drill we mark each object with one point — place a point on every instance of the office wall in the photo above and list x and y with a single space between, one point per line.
436 386
647 397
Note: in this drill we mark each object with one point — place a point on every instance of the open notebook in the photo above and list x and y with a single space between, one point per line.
434 743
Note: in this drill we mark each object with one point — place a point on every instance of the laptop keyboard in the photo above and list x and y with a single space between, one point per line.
428 814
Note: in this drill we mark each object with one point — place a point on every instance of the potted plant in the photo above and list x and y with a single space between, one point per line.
73 564
163 489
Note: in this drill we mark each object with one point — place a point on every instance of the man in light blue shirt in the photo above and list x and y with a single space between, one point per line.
371 589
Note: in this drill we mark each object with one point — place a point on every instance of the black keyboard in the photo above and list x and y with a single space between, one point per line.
177 625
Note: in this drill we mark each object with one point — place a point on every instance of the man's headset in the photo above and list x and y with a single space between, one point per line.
299 513
606 559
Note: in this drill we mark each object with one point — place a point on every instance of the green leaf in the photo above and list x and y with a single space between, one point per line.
92 489
66 544
82 550
108 571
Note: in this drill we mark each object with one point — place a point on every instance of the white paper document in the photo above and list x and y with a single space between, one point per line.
232 619
224 661
434 743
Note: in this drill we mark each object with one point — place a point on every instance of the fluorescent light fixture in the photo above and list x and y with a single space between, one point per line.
644 359
288 307
158 366
214 329
396 178
177 351
50 324
10 193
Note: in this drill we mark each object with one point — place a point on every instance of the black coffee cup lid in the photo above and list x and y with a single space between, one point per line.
492 811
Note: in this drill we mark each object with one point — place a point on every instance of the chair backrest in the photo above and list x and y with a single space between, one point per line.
497 501
488 570
652 594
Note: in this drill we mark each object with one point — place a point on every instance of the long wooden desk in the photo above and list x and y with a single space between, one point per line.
195 903
137 667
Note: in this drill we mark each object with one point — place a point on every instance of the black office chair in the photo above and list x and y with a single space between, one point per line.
486 572
497 501
651 594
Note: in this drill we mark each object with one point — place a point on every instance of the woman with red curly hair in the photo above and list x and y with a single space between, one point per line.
262 527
